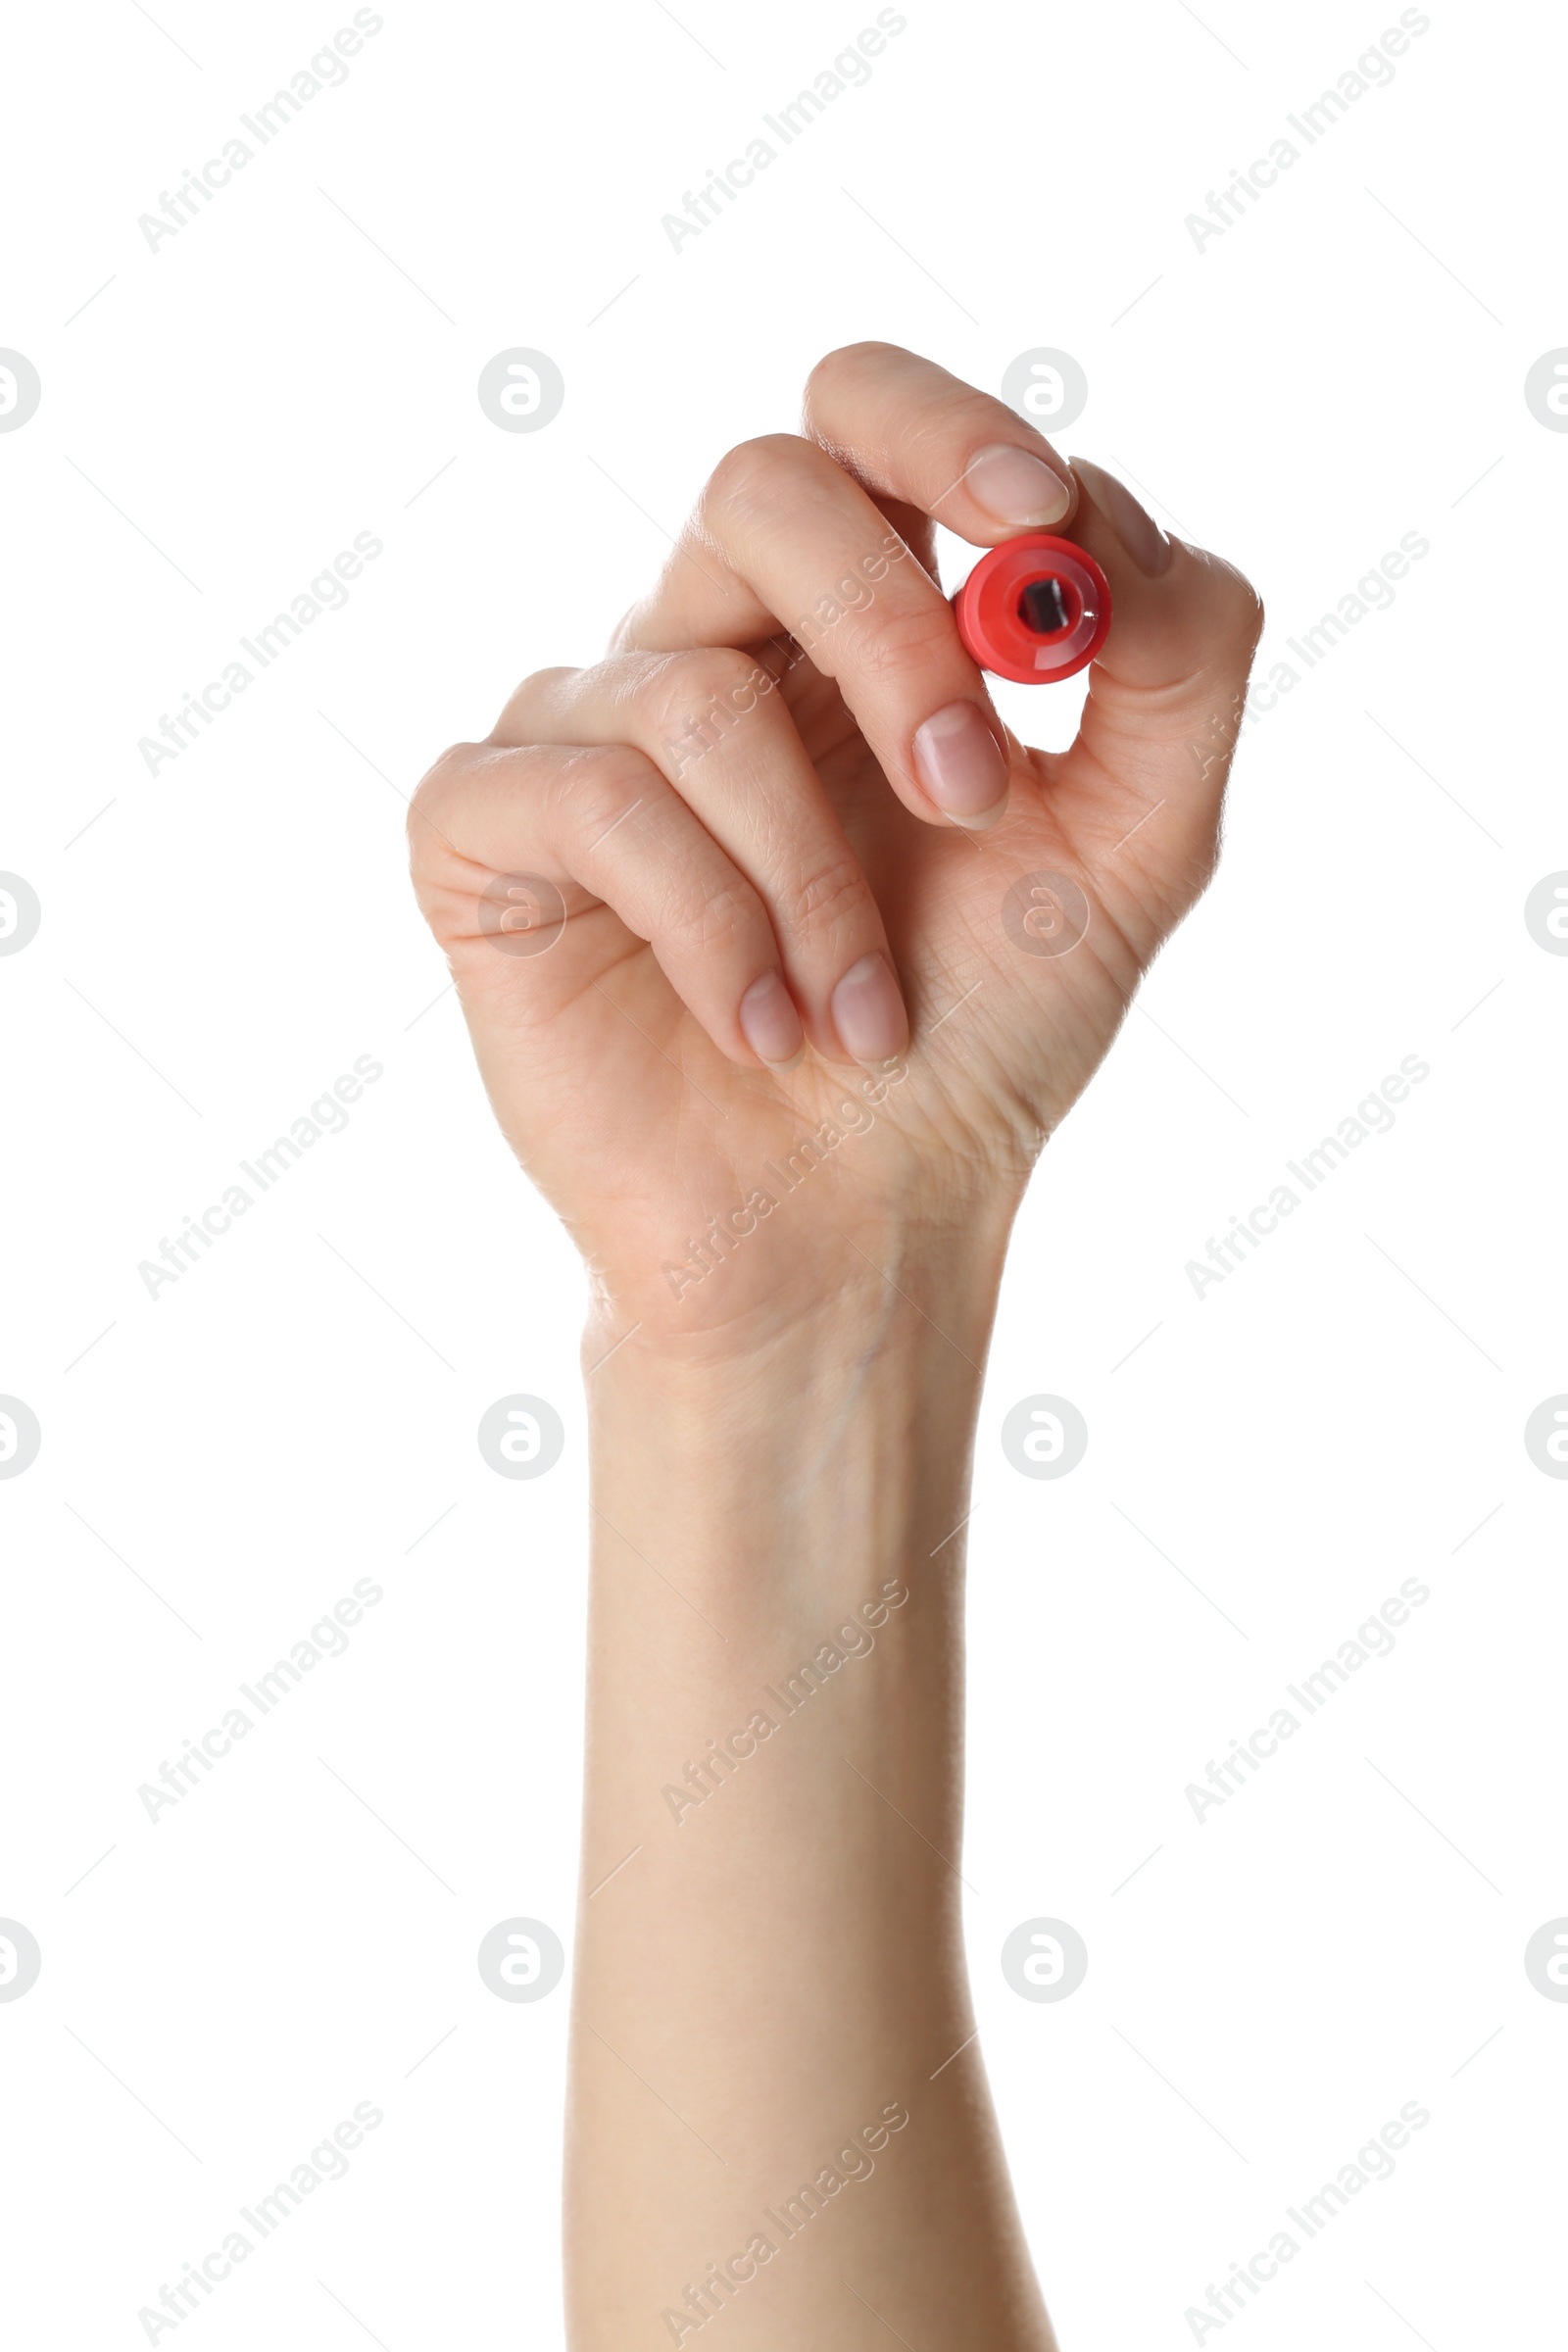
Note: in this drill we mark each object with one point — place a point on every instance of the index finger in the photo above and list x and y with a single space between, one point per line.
912 433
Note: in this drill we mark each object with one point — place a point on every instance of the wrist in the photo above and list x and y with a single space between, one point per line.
883 1296
832 1445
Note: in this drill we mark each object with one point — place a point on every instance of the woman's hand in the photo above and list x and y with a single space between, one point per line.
764 979
804 957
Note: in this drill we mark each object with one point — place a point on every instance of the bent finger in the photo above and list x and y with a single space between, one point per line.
714 723
602 829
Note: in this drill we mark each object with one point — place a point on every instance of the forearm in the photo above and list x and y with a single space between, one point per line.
769 1967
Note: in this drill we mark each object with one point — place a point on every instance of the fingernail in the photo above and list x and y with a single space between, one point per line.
1136 528
962 765
770 1024
868 1011
1013 485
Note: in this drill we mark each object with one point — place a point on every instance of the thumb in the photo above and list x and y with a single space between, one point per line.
1165 694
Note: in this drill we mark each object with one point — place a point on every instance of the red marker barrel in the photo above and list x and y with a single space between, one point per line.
1034 610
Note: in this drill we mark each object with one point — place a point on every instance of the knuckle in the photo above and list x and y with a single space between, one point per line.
533 696
1239 601
830 896
751 475
905 640
711 920
434 790
845 362
685 689
1248 603
624 636
595 784
543 681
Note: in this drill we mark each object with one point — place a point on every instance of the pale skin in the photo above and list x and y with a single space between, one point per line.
783 917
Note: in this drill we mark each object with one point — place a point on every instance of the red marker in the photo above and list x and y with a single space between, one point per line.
1034 610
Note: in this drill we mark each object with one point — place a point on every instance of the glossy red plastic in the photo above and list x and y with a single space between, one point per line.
1003 609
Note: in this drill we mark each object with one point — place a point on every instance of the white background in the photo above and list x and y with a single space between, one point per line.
1341 367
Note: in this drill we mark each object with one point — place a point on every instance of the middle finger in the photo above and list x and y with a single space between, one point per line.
716 725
